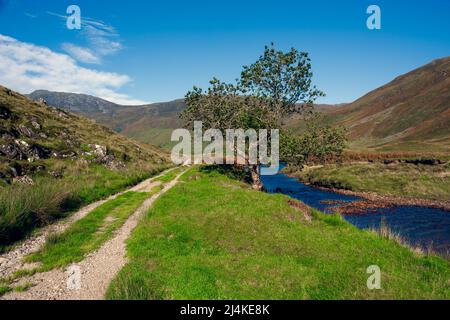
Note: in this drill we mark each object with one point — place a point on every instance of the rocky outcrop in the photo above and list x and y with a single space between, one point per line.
22 150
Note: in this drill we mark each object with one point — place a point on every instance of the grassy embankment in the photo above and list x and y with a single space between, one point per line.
211 237
400 179
26 207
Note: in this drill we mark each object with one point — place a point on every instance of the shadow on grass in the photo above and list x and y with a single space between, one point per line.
231 171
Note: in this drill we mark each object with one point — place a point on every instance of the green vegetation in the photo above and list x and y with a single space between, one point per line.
52 162
211 237
276 86
89 233
397 179
25 207
169 176
4 290
160 137
23 288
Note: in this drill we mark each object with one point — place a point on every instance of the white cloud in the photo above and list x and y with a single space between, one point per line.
81 54
102 40
26 67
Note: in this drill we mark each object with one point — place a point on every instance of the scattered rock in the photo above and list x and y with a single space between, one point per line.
99 151
42 101
55 174
24 180
26 131
12 152
35 124
13 172
429 162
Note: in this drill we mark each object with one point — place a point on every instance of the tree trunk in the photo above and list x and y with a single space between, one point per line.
256 179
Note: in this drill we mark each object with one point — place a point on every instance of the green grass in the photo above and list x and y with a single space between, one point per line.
160 137
24 208
407 180
4 290
211 237
169 176
64 139
89 233
23 288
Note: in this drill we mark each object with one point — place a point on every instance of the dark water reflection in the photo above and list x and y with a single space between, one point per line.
420 226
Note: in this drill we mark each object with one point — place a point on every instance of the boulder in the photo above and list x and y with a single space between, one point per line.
35 124
98 150
26 131
24 180
12 152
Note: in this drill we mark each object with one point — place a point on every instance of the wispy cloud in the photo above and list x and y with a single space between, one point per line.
80 53
30 15
102 40
26 67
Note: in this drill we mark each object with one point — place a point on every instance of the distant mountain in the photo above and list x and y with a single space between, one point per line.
411 113
74 102
151 123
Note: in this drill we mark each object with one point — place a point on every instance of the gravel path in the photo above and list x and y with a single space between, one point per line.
13 260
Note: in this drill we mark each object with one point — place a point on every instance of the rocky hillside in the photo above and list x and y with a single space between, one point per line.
151 123
34 137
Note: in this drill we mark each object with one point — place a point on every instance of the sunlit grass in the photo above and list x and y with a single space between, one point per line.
408 180
211 237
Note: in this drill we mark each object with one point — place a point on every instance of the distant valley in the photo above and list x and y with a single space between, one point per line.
411 113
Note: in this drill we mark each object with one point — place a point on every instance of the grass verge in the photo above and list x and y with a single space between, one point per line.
211 237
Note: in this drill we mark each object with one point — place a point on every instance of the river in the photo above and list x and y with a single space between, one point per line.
420 226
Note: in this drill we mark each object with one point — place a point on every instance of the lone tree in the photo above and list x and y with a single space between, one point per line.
277 85
283 80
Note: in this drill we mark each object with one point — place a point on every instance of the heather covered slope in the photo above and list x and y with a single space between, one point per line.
411 112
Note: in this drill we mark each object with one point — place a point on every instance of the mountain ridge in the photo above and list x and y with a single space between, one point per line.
411 112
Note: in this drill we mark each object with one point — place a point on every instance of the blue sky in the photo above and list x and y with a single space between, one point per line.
149 51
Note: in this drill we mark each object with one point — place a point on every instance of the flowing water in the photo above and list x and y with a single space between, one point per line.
420 226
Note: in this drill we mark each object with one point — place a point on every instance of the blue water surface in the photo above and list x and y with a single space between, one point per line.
420 226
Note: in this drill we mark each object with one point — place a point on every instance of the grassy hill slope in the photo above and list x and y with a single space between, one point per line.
412 112
53 161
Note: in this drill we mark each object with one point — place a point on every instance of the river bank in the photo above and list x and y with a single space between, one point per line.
382 201
397 184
